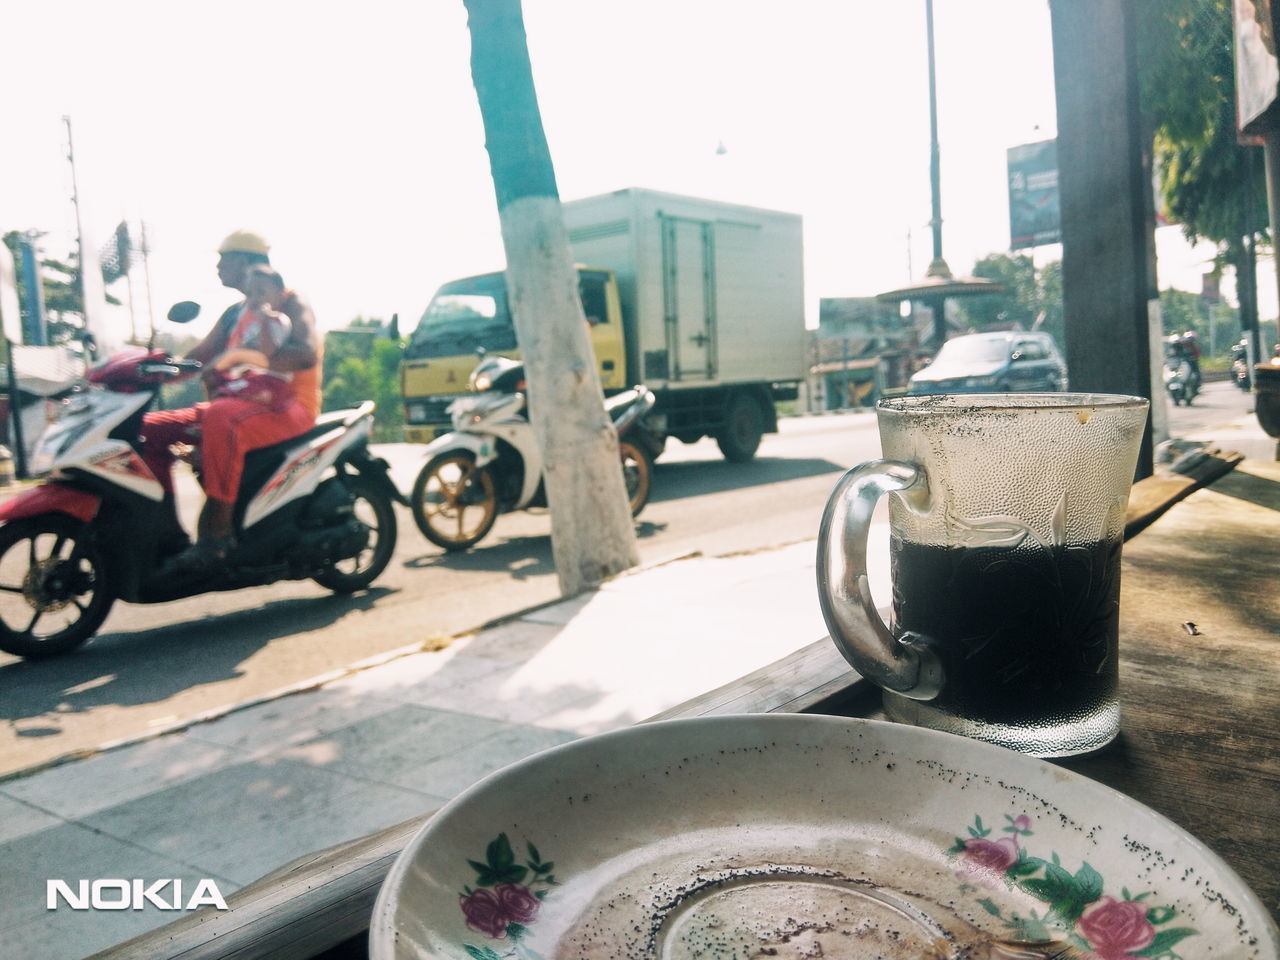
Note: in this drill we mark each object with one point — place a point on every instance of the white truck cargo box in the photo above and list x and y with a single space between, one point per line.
712 293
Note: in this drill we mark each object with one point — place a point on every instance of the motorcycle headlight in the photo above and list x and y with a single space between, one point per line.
481 383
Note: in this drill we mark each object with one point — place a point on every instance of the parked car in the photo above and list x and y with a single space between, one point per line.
993 363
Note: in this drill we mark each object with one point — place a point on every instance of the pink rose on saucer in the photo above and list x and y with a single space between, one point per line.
1116 928
484 913
518 903
986 860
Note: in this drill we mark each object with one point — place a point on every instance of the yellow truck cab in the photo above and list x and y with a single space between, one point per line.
471 314
701 301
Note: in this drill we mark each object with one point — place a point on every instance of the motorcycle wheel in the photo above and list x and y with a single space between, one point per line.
454 502
637 472
374 509
54 592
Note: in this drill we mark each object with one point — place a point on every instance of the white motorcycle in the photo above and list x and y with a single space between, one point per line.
318 506
491 464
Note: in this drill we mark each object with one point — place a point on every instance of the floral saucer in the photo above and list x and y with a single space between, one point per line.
793 836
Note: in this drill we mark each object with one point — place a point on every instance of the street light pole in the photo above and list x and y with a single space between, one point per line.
935 161
938 266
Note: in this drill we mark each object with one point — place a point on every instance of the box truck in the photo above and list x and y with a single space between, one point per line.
701 301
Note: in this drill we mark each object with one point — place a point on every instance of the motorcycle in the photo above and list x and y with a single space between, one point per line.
491 464
1177 381
1180 380
317 506
1240 365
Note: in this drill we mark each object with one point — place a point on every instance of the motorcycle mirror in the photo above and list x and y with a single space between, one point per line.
184 311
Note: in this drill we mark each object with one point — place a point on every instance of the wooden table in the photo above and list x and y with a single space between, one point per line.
1200 676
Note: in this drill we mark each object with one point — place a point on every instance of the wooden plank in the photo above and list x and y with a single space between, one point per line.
1200 735
785 686
1151 497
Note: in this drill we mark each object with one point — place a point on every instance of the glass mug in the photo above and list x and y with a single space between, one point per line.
1006 515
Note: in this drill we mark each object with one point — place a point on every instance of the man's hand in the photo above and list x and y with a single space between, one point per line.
300 349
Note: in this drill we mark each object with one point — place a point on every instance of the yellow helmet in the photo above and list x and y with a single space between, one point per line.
245 241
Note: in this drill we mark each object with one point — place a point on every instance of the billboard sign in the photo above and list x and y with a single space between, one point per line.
1257 69
1034 215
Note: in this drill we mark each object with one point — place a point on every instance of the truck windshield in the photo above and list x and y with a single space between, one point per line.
462 317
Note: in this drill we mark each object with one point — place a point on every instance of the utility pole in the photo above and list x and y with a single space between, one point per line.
1108 282
146 274
938 305
91 294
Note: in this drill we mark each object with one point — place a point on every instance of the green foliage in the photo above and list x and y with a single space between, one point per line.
1017 305
362 363
1187 80
1032 298
1181 311
63 304
1217 325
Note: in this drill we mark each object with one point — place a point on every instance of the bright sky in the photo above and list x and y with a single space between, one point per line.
350 134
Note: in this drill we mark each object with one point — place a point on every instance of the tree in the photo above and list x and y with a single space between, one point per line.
362 363
1051 319
1031 299
1014 307
1209 183
63 302
592 535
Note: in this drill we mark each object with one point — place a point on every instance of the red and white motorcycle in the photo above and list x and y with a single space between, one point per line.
319 506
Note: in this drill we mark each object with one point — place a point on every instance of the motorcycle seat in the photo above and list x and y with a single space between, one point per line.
260 464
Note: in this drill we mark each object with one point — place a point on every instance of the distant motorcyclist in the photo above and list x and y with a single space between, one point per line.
226 428
1186 348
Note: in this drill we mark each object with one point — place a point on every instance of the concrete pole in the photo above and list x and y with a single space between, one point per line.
1109 298
1271 152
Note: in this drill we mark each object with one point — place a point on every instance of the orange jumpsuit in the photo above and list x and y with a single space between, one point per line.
227 428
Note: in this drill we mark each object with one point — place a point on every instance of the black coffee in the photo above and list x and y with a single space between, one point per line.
1027 635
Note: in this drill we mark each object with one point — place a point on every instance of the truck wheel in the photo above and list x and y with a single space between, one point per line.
637 472
53 584
743 428
454 502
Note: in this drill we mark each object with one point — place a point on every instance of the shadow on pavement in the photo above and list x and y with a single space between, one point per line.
675 481
522 557
149 666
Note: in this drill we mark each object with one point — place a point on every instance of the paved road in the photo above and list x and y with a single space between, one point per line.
153 667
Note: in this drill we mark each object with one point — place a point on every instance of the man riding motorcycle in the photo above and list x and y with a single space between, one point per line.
1189 350
227 426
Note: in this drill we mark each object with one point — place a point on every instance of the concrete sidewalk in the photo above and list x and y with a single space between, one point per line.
231 799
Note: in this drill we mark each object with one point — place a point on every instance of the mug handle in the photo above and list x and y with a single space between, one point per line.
906 665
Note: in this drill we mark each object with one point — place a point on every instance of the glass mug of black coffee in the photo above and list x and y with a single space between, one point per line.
1006 516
